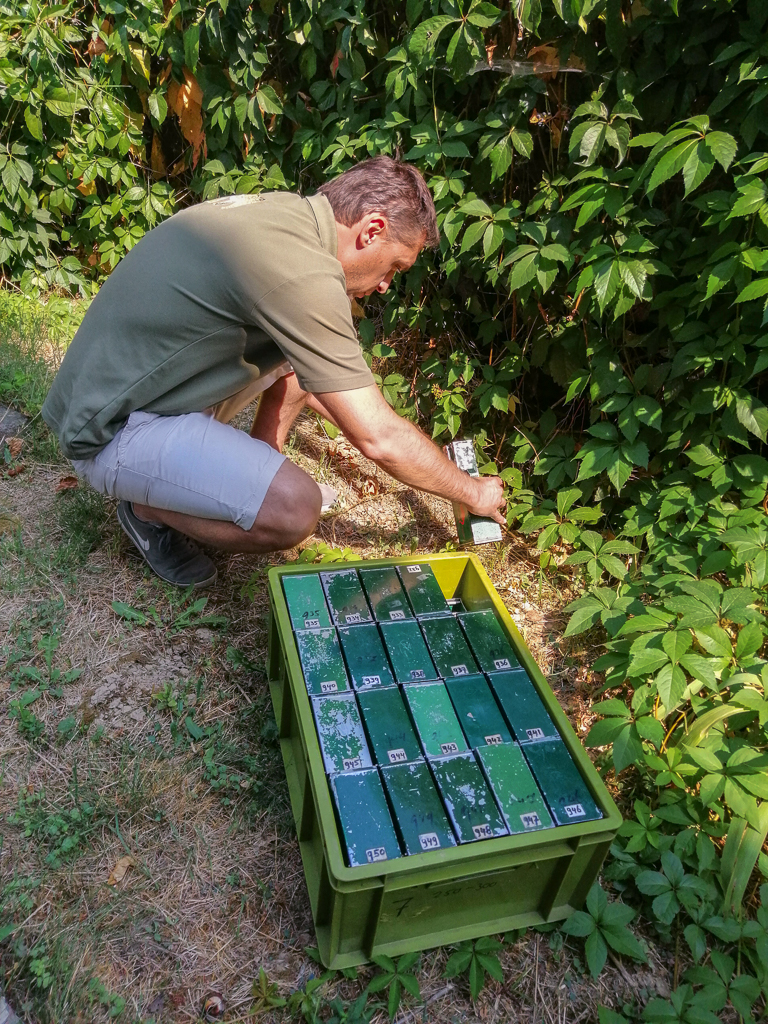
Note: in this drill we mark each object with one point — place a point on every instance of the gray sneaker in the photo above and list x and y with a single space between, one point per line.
172 556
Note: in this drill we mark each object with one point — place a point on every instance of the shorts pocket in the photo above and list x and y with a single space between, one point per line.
135 422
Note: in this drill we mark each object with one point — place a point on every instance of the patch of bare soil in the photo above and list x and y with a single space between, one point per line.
163 751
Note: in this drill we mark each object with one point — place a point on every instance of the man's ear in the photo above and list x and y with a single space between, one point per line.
372 228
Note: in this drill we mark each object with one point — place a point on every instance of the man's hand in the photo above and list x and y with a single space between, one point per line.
401 449
490 498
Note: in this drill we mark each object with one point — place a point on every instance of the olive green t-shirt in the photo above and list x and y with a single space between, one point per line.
206 303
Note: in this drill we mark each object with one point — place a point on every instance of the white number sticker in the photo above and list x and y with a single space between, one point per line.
530 820
353 618
397 615
418 673
311 623
494 741
460 670
429 841
371 680
574 811
329 687
376 853
449 748
413 568
500 663
350 763
534 734
396 756
482 831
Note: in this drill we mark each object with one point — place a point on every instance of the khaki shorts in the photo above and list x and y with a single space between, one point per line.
190 463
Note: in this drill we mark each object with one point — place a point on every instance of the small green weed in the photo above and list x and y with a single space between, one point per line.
396 976
355 1011
307 1003
40 967
169 698
179 703
66 729
61 830
37 639
24 566
42 617
265 995
46 677
604 925
29 725
100 994
242 775
477 959
17 896
180 615
41 973
322 552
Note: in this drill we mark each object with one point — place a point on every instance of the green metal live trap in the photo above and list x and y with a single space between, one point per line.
438 789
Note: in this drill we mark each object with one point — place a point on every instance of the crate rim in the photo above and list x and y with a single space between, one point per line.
465 859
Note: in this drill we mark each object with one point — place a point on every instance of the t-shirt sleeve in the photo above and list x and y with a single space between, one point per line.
310 319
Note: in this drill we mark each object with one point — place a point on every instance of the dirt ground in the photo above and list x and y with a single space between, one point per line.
147 850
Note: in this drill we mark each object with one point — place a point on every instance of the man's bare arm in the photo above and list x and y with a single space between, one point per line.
407 454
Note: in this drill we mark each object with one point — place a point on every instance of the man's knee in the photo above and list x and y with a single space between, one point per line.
290 510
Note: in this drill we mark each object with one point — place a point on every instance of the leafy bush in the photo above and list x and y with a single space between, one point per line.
605 289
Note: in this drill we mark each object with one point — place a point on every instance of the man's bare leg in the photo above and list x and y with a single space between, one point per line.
278 408
288 514
291 507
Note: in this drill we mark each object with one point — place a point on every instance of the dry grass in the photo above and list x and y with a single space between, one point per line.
215 889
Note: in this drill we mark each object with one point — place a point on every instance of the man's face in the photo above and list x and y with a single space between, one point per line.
373 264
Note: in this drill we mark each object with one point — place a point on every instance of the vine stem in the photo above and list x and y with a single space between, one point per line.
677 956
680 719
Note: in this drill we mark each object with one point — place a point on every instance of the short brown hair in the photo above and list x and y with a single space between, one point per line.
395 188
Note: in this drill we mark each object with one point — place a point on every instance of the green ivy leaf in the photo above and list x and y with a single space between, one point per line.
33 123
158 107
607 278
723 148
698 166
424 37
523 272
671 163
749 640
627 748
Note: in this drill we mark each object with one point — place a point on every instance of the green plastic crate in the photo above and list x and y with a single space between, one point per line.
441 896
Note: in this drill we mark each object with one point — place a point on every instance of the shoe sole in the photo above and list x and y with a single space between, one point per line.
174 583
